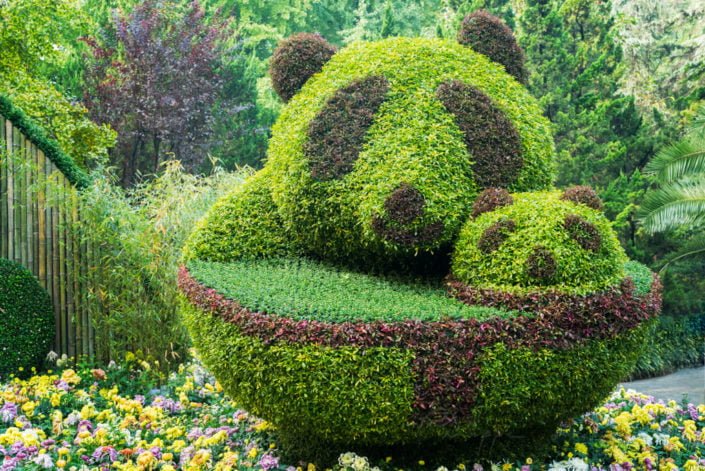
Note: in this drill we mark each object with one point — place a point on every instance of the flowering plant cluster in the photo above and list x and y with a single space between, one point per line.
80 420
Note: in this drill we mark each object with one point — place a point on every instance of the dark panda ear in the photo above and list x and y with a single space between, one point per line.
295 60
489 35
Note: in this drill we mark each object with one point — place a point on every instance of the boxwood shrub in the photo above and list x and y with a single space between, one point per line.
26 319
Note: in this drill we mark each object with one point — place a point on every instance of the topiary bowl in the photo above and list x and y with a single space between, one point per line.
349 359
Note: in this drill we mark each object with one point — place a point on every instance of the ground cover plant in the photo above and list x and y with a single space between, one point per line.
126 417
398 158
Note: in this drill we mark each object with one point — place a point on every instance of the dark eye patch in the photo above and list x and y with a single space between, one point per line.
493 237
490 136
583 232
337 133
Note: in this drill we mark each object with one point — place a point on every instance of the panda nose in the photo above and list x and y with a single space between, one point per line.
405 204
541 264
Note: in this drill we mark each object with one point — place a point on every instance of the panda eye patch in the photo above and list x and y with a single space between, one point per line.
493 237
336 135
491 138
583 232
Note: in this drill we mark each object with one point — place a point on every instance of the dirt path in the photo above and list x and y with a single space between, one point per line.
689 381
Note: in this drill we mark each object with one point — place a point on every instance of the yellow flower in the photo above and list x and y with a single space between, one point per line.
691 465
167 456
70 377
28 408
506 467
311 467
145 459
60 463
252 453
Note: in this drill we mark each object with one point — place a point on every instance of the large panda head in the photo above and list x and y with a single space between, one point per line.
383 146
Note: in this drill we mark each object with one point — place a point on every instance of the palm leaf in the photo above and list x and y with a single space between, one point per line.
682 159
675 204
694 246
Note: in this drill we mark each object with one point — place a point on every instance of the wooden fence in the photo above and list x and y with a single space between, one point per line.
38 209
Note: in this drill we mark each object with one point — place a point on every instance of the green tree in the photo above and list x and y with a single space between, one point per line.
37 38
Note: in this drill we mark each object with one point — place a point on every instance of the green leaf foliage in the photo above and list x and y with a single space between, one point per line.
540 226
305 289
517 384
26 319
242 224
47 145
340 395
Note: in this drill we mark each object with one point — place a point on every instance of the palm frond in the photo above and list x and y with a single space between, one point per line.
694 246
674 204
682 159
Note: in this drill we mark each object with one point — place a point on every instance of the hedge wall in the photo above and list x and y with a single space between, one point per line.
26 319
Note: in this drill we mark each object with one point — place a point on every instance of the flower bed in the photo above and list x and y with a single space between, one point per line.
81 419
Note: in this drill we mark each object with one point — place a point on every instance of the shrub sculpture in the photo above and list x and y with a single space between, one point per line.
303 289
26 319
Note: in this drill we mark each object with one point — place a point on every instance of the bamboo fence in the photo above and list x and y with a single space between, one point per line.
38 209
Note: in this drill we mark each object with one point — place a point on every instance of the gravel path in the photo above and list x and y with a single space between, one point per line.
689 381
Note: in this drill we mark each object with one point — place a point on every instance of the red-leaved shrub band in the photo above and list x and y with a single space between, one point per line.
446 364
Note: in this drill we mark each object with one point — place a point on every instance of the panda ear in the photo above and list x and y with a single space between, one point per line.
295 60
489 35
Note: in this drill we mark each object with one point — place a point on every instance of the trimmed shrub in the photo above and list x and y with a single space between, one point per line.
493 236
491 199
490 36
243 224
26 319
557 244
492 141
295 60
582 194
351 383
413 139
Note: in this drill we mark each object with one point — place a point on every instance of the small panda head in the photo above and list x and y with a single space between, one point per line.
539 240
383 146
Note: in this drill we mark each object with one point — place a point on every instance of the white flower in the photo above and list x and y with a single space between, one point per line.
346 459
648 439
573 464
44 460
661 438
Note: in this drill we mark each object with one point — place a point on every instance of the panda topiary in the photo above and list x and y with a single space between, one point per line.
306 289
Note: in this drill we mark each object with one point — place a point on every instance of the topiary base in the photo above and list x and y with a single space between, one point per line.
359 384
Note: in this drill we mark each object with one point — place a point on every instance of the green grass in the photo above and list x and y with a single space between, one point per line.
305 289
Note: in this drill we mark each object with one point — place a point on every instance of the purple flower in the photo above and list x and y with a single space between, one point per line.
268 462
8 412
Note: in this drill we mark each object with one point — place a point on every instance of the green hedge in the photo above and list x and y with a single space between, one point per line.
26 319
244 224
47 145
341 395
305 289
674 343
571 245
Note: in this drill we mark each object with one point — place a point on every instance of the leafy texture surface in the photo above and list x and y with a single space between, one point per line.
26 319
304 289
555 244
